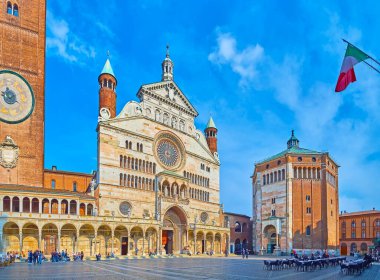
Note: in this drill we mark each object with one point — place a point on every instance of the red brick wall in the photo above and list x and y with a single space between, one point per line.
65 180
22 49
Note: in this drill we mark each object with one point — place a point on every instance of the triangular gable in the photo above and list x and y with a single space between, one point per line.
168 92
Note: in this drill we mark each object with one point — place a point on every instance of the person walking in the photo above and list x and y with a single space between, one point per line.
246 253
242 253
39 257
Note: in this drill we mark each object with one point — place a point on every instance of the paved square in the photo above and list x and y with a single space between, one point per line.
177 268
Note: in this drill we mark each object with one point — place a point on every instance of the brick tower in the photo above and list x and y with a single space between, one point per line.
22 86
211 132
107 92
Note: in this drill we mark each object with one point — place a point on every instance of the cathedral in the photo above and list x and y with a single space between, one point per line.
156 187
295 201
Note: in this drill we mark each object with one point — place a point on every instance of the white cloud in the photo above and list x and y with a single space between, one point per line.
243 62
63 42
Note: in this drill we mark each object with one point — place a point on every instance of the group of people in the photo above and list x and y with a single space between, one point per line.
245 253
10 256
35 257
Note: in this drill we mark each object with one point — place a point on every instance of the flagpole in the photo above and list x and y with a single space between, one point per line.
365 53
371 66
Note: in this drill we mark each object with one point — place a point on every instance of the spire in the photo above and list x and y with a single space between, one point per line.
107 68
210 123
293 141
167 51
167 67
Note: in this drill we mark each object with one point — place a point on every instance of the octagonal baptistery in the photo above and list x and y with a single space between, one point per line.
156 169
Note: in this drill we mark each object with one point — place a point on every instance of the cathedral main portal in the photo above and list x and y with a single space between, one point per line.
174 231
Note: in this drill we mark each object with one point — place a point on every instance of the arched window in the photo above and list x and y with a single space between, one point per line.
53 184
90 209
121 179
104 83
130 146
15 10
9 8
26 205
237 227
283 174
307 230
141 147
295 175
74 186
6 204
353 248
363 224
353 229
73 207
15 204
158 115
35 205
126 144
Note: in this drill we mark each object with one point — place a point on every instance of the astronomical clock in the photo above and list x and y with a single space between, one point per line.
17 98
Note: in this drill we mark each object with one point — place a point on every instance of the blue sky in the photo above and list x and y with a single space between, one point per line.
260 68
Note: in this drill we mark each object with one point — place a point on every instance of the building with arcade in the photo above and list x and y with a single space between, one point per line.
156 185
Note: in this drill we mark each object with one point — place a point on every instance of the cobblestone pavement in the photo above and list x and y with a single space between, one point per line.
179 268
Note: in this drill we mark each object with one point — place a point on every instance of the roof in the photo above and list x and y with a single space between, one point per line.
293 150
21 188
69 173
235 214
366 212
211 123
107 69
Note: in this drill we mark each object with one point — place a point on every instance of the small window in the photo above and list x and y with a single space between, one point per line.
15 10
75 186
308 230
331 201
9 8
331 213
308 198
273 213
314 159
267 166
299 158
279 162
273 200
308 210
53 184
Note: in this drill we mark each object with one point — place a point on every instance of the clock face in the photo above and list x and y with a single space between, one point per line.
16 97
168 153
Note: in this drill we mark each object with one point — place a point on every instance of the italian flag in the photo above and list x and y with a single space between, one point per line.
347 74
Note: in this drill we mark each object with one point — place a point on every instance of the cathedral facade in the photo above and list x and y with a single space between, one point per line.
156 187
295 201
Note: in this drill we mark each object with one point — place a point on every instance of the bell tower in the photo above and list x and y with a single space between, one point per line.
167 67
211 132
107 89
22 91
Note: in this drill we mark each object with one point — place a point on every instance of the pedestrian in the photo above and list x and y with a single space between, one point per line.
242 253
35 255
39 257
246 253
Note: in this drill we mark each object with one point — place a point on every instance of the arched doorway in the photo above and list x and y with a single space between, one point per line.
49 236
120 240
86 239
237 246
173 230
103 236
30 237
353 248
11 237
270 238
343 249
68 238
